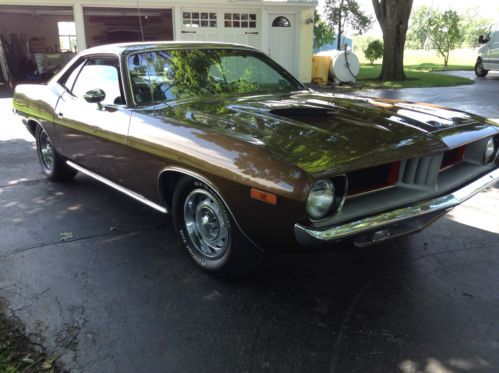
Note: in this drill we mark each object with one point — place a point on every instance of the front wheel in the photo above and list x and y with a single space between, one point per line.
479 70
209 233
53 165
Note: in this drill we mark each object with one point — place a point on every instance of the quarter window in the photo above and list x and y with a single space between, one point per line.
240 20
69 81
199 19
100 73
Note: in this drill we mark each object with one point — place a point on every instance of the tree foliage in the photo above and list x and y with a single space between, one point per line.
323 32
472 26
445 31
475 26
417 34
340 13
374 51
393 17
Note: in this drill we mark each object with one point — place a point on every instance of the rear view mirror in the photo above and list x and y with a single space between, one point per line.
95 96
482 39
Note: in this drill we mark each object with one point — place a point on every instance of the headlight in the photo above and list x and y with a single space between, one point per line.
490 150
320 199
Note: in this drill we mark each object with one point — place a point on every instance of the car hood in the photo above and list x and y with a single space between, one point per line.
332 133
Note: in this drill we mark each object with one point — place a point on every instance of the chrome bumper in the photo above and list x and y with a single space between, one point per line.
396 222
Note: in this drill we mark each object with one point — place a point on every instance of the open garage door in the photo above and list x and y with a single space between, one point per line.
36 41
113 25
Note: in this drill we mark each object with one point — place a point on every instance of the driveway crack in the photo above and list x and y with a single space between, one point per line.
34 181
23 250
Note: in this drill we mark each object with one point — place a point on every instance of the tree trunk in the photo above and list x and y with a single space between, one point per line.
393 17
393 54
338 38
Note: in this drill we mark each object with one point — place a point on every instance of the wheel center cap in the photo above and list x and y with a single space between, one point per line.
208 224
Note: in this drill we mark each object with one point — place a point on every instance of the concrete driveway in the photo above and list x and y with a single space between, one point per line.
481 98
103 283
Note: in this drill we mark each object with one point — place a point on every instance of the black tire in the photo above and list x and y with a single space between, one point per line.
235 256
53 165
479 70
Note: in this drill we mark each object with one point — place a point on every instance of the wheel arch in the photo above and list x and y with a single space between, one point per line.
170 176
31 125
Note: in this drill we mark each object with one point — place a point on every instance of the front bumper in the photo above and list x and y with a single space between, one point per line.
394 223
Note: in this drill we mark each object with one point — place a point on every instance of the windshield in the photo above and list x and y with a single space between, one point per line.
166 75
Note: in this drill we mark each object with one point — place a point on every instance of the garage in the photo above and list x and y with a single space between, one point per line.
35 40
243 26
38 37
112 25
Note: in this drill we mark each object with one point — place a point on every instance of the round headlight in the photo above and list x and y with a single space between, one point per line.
490 151
320 199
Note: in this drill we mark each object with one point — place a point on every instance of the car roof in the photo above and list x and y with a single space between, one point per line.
125 48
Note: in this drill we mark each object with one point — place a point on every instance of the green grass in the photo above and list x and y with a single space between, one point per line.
430 67
417 76
465 58
420 67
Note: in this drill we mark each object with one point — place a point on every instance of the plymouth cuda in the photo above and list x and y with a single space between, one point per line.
245 158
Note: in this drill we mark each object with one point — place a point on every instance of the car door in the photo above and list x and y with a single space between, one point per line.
94 135
494 50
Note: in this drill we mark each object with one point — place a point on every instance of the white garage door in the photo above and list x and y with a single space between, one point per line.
241 27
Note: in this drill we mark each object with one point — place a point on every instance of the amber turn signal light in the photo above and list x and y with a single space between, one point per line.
263 196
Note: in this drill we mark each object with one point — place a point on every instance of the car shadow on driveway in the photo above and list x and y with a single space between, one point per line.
103 282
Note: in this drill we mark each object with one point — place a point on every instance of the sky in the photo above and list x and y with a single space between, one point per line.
486 8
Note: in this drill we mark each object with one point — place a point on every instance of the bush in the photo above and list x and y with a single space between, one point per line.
374 51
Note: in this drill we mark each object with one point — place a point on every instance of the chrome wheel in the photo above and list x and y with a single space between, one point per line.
46 151
206 224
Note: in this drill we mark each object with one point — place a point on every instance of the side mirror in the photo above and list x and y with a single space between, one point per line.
482 40
95 96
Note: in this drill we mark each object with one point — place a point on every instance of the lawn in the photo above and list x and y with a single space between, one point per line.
417 76
462 58
420 67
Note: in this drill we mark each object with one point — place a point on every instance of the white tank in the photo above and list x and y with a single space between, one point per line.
344 66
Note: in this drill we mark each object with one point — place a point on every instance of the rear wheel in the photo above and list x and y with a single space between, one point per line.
479 70
53 165
209 233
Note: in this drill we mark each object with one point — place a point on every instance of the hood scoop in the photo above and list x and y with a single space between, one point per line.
298 112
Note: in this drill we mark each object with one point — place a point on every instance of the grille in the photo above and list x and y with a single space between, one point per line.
420 171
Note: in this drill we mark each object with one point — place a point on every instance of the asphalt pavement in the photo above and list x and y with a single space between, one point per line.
102 282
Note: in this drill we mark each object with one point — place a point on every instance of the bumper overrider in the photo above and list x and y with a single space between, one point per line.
394 223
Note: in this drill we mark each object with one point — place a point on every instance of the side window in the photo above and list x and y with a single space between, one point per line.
100 73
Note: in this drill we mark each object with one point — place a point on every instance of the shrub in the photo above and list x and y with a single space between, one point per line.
374 51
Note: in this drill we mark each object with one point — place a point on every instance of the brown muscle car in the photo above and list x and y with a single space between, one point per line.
245 157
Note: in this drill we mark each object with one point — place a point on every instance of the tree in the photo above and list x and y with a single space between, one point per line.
323 33
417 34
393 17
374 51
340 13
445 30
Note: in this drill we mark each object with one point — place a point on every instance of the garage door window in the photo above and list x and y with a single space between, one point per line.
199 19
240 20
